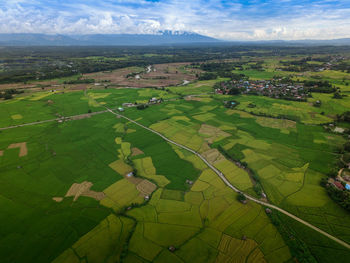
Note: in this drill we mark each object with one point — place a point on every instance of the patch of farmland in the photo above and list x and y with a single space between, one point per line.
163 75
121 194
104 242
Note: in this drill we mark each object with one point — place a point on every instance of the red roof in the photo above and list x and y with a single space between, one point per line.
339 185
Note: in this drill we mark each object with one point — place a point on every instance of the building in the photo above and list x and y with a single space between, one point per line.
128 104
339 185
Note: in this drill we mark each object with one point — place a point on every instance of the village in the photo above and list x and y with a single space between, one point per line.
273 89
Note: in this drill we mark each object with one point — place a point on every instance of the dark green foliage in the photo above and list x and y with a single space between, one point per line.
345 117
80 81
347 146
164 159
319 86
346 157
337 95
142 106
8 93
241 197
297 247
207 76
257 188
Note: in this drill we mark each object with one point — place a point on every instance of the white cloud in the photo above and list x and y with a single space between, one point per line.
231 21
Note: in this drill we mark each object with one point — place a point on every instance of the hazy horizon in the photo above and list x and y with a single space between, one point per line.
225 20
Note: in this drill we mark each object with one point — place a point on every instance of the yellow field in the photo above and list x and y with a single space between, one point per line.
120 194
121 167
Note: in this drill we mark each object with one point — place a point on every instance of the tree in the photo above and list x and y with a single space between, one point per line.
241 197
347 146
8 96
234 91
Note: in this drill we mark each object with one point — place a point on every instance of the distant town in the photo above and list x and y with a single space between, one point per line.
276 88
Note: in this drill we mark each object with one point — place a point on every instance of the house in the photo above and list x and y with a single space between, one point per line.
338 185
171 248
120 109
155 100
268 211
127 104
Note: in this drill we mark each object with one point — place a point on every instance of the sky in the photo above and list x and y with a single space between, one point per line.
227 20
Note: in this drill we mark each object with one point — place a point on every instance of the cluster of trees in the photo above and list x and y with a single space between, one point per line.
23 64
257 66
231 104
207 76
214 70
342 197
319 86
297 247
142 106
233 90
343 66
301 65
345 117
8 94
80 81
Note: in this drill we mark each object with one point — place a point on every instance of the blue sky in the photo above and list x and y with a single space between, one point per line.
230 20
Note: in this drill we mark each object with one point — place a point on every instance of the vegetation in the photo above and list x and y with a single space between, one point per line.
142 187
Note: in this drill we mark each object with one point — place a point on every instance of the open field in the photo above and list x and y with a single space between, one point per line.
159 75
95 188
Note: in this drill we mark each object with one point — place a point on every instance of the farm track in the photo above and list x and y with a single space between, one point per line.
68 118
223 178
76 117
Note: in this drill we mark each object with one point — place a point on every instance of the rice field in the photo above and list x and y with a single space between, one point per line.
201 216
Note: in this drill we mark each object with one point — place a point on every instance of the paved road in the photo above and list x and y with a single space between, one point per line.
222 176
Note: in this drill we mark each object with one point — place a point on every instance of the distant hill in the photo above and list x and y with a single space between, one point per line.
305 42
162 38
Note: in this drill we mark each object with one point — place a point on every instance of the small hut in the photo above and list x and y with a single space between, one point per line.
172 248
268 211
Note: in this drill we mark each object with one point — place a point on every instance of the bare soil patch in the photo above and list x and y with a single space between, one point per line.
136 151
213 132
134 180
161 75
189 98
23 151
83 189
1 153
82 116
146 187
78 87
213 156
57 199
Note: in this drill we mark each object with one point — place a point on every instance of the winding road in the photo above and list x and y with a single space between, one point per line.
223 178
219 173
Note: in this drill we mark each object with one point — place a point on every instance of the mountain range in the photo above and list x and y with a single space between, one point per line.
161 38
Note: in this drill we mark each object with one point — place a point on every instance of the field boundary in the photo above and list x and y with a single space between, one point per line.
224 179
67 118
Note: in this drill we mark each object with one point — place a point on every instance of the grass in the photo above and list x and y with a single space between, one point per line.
204 219
101 243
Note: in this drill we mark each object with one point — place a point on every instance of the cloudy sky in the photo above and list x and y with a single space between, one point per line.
229 20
